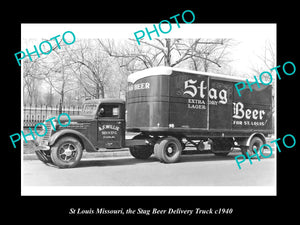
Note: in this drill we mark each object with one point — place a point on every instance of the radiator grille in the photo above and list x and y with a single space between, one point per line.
49 131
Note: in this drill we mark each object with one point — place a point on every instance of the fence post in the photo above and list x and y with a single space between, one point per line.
46 117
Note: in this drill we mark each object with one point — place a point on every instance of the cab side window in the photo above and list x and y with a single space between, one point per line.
109 110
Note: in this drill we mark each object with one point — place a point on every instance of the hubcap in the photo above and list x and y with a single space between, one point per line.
67 152
170 150
255 147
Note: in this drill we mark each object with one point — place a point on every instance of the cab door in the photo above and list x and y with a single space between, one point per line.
111 125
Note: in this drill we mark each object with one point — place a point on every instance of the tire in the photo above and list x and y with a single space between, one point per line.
222 146
168 149
256 143
66 152
141 152
157 153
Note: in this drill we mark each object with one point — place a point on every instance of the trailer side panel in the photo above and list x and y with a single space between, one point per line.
188 100
195 103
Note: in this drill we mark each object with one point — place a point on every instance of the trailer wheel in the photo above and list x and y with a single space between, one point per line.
255 143
141 152
168 149
66 152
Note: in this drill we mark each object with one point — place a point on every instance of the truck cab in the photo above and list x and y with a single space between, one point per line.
110 117
101 124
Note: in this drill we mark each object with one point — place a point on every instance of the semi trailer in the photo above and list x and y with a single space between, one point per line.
167 110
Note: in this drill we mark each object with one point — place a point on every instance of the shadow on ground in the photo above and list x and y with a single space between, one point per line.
132 161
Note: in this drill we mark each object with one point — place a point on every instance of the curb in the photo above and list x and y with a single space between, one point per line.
103 154
109 153
87 155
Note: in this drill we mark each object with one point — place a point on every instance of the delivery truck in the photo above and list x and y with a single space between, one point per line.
167 111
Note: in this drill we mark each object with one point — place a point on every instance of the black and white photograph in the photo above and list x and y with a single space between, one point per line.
148 111
172 108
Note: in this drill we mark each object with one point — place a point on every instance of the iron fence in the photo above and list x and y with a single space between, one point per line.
38 114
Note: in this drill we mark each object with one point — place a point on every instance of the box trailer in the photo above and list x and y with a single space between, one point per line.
167 109
184 106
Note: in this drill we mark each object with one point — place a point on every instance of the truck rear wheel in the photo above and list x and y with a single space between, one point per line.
255 143
141 152
168 149
66 152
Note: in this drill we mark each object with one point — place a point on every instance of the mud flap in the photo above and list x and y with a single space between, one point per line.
43 157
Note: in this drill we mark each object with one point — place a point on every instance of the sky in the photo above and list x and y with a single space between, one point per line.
251 38
246 53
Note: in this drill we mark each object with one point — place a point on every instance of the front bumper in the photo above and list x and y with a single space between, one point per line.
42 151
42 156
42 145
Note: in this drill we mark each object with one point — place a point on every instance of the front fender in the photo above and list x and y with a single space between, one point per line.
86 143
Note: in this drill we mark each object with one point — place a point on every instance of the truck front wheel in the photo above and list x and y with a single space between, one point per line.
168 149
141 152
66 152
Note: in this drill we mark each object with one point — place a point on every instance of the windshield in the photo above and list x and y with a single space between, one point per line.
89 109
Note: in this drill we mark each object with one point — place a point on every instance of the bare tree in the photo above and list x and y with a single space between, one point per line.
211 54
91 67
167 52
51 68
99 68
30 81
266 61
57 74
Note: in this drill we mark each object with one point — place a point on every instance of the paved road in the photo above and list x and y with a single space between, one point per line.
192 170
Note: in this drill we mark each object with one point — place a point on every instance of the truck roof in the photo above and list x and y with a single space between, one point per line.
104 100
164 70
